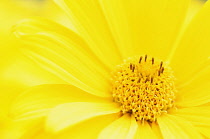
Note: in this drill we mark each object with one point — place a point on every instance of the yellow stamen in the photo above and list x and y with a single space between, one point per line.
144 87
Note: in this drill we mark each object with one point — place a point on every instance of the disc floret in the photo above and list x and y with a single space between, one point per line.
144 86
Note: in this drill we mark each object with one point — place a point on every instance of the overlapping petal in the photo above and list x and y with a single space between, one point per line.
204 130
90 128
198 116
21 129
145 131
192 54
69 114
175 127
124 128
37 101
92 25
145 27
156 129
195 92
62 52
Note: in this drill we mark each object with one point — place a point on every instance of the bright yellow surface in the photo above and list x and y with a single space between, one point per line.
16 71
73 68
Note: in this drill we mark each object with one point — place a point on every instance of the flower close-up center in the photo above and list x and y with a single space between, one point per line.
144 87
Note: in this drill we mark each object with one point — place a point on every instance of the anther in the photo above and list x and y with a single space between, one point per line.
131 66
162 70
147 79
153 61
145 59
140 74
159 72
140 59
151 79
161 64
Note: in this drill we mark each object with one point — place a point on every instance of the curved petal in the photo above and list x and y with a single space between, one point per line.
205 130
145 132
38 100
175 127
21 71
123 128
92 26
90 128
18 129
193 51
195 7
196 91
37 131
156 129
144 26
63 53
40 24
66 115
198 116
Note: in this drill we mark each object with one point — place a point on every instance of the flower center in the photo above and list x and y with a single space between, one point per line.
144 86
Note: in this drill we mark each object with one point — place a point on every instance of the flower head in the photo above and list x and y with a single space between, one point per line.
132 70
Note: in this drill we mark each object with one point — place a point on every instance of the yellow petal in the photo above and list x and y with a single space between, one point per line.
93 27
39 24
13 11
65 56
193 51
10 91
174 127
123 128
74 132
145 132
89 129
198 116
144 26
20 70
196 91
156 129
69 114
34 131
195 6
38 100
18 129
205 130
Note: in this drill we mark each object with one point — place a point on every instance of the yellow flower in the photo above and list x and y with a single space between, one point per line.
130 72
